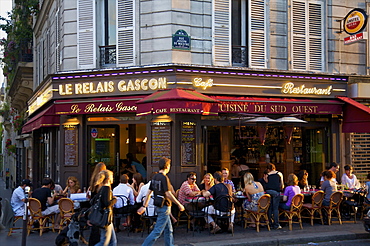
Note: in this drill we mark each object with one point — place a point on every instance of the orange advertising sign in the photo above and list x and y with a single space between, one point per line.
355 21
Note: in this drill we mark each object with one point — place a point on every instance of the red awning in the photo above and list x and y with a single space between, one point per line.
258 105
97 105
177 100
45 118
356 116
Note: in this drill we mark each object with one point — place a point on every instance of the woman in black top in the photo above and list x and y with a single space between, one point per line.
107 234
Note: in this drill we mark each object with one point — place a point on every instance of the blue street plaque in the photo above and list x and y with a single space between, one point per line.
181 40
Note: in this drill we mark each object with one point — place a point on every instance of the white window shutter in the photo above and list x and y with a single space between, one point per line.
307 36
221 33
86 40
316 37
125 33
257 34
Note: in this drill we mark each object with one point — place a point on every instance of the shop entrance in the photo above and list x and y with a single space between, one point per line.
111 143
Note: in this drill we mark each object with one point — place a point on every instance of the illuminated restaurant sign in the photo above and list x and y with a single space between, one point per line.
198 82
290 88
103 87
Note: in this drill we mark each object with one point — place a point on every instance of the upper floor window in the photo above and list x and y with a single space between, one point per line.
249 28
307 39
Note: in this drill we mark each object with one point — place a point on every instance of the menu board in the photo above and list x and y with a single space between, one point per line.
188 143
161 141
70 145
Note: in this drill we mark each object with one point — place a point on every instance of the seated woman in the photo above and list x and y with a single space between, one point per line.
137 183
207 182
302 179
290 191
72 186
328 186
253 190
367 189
349 179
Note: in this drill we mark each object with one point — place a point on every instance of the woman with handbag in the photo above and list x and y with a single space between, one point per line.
106 200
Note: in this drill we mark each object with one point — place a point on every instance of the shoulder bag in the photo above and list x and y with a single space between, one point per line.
98 216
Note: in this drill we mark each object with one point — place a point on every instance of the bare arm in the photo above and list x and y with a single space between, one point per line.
170 196
206 193
145 203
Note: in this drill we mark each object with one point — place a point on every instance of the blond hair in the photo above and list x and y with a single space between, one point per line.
292 179
76 187
98 168
248 178
103 178
212 180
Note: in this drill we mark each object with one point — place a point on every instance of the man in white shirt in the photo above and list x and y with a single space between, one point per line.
123 189
19 198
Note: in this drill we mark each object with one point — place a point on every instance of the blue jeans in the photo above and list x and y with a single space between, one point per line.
283 205
107 236
274 207
163 224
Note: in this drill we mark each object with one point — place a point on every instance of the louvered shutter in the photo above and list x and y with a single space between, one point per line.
57 42
316 37
221 33
86 40
257 34
125 33
307 37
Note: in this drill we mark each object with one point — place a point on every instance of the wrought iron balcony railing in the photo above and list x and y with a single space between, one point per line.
239 56
107 55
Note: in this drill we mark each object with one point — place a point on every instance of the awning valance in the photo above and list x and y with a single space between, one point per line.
177 100
45 118
258 105
97 105
356 116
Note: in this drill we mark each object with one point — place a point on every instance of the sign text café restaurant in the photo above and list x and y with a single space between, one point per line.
194 116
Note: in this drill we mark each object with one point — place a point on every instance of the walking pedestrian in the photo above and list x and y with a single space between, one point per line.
163 197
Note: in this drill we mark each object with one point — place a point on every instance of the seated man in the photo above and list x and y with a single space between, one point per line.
218 190
225 174
19 198
188 189
123 189
43 194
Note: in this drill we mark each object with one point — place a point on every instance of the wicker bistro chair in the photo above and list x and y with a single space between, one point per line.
196 212
334 205
66 208
295 210
34 207
365 207
314 207
182 216
224 215
261 215
123 212
15 219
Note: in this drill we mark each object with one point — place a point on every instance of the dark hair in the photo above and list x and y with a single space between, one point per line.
225 169
348 167
218 176
242 161
266 171
130 157
47 181
139 179
123 179
330 174
333 164
152 175
191 174
163 163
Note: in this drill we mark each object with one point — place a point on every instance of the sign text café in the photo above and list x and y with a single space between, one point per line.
153 84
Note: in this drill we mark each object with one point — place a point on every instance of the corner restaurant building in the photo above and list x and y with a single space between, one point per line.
78 119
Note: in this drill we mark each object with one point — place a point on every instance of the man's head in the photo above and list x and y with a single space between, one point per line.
271 167
123 179
192 177
225 173
218 176
47 182
334 167
26 182
164 163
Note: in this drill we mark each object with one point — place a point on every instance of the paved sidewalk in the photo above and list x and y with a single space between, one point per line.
316 233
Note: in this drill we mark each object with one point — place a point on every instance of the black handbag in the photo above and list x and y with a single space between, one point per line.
159 201
99 216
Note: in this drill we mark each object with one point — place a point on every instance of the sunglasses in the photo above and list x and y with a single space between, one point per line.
193 179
